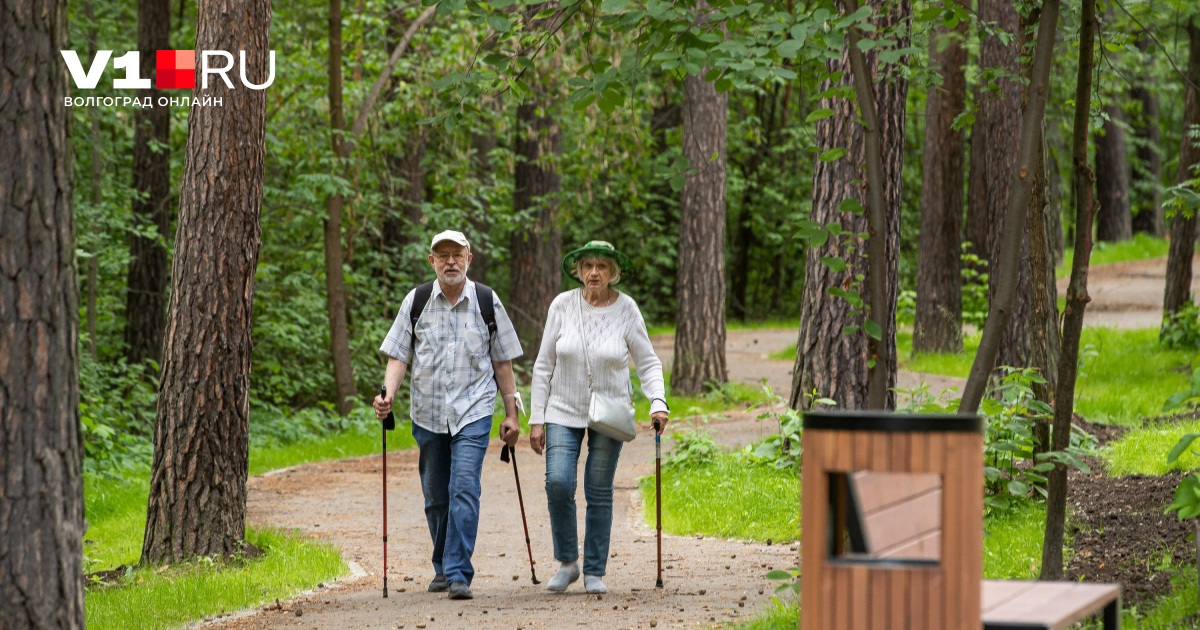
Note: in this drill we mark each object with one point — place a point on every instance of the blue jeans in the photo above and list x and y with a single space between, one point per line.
450 469
562 458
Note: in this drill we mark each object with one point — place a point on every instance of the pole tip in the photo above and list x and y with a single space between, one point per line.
658 584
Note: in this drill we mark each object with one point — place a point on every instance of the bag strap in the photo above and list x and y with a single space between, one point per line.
487 308
583 340
420 299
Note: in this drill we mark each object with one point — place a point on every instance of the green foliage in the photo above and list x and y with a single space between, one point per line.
1011 472
1181 329
1190 397
693 446
1140 247
1139 451
781 449
1187 497
116 414
974 289
789 579
1012 542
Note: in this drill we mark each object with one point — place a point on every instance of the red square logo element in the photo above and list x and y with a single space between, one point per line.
175 69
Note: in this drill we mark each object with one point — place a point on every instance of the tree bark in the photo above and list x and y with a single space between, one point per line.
1113 220
1045 341
1178 292
830 362
536 250
201 436
1146 189
938 324
998 125
335 282
146 296
1077 298
41 485
1005 275
700 312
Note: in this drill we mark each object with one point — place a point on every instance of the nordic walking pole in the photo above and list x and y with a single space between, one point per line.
388 424
505 452
658 497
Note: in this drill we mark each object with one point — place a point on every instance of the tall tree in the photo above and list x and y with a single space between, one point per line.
1146 188
536 250
1077 297
41 484
938 324
201 434
700 314
831 361
993 162
146 297
1178 292
1005 275
1113 220
335 282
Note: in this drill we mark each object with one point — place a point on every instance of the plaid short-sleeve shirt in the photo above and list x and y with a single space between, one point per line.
453 382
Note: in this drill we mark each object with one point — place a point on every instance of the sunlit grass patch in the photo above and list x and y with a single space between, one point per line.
729 498
170 596
1012 543
1144 451
1140 247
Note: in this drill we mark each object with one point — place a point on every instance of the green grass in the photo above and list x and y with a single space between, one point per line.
949 364
163 598
116 514
1012 543
728 498
1144 451
781 615
1140 247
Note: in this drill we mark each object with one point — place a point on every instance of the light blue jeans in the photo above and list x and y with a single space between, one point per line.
562 458
450 469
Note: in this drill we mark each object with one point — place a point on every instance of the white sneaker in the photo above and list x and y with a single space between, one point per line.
593 584
568 573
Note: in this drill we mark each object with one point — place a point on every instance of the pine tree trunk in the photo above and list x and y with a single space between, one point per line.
536 250
999 123
1044 337
1146 189
700 313
201 436
938 324
41 485
830 362
1178 291
146 299
335 283
1113 221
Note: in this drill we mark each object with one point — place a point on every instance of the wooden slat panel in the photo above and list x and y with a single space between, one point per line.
901 443
841 597
880 600
814 519
863 449
898 598
881 452
879 490
996 592
906 525
926 547
918 604
969 450
860 597
918 453
936 599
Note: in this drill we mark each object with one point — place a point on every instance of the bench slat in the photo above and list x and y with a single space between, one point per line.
1053 605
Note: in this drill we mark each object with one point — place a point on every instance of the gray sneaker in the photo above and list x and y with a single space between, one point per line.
460 590
568 573
439 584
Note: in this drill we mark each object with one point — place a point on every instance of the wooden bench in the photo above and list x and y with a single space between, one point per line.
1013 605
893 532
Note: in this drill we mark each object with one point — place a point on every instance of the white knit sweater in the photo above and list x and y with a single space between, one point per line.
613 334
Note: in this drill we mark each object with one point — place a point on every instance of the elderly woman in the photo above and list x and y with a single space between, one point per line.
600 327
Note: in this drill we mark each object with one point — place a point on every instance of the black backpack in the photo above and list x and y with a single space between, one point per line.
483 295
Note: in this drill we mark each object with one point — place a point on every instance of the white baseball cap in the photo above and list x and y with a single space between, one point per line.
450 235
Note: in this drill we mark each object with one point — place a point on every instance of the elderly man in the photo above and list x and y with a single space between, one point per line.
460 343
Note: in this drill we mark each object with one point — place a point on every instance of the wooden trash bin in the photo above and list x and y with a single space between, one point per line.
892 521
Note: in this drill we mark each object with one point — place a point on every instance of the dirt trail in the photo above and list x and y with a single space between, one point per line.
708 581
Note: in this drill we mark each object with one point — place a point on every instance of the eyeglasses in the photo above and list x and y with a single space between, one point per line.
459 257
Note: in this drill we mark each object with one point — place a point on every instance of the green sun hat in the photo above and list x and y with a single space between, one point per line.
595 248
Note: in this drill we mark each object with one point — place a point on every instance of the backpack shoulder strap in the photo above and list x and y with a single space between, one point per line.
420 299
487 308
